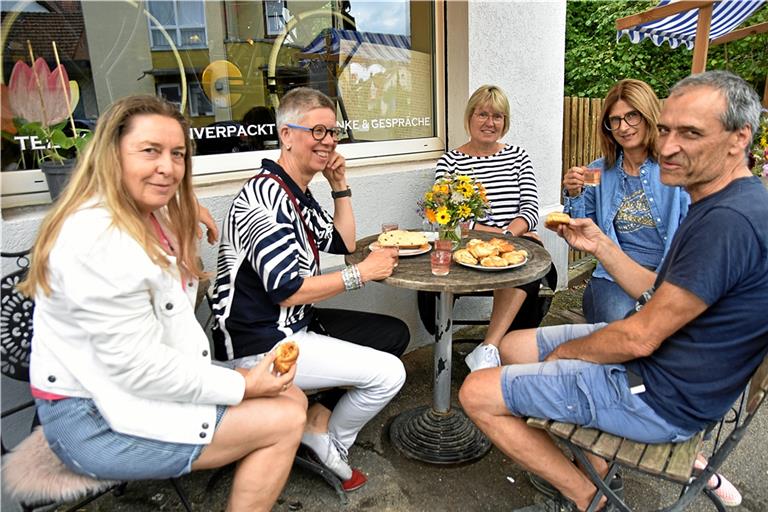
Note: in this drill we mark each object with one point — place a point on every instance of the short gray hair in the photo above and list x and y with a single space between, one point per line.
297 102
742 104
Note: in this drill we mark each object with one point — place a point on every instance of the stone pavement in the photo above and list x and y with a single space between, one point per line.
398 484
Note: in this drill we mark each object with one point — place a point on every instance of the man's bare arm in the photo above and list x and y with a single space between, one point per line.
639 335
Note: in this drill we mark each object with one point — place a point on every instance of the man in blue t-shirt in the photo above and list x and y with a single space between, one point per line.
700 331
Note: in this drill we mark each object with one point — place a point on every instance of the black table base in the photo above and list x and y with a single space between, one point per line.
439 438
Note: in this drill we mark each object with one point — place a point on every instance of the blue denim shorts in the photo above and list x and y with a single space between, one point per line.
587 394
79 435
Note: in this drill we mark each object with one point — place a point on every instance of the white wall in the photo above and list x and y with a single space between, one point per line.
519 46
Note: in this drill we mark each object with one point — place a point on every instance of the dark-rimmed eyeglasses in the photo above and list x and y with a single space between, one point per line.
632 118
495 117
319 131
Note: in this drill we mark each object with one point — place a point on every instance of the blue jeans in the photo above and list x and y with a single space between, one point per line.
82 439
605 301
587 394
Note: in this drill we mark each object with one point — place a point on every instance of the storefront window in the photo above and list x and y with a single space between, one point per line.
226 64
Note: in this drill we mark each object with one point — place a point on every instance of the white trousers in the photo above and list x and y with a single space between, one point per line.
374 378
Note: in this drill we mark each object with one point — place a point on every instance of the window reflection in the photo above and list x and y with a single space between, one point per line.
226 64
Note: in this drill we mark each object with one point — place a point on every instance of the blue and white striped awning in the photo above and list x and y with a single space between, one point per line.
681 28
365 45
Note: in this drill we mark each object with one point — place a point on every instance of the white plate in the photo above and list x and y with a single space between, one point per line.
406 252
491 269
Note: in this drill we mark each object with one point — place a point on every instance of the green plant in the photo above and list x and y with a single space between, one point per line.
594 60
759 151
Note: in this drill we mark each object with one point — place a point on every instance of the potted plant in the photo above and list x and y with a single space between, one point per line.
40 103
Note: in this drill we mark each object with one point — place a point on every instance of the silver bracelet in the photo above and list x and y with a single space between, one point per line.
351 277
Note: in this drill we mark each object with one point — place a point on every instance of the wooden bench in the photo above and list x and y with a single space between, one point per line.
669 461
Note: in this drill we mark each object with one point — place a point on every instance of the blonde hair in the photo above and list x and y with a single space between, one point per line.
99 175
641 97
492 96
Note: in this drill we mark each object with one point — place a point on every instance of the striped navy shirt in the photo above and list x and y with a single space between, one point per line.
509 181
264 257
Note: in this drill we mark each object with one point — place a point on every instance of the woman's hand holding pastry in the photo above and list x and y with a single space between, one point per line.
378 265
574 180
261 382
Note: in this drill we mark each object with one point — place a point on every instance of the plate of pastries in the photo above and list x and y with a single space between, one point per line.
409 243
495 254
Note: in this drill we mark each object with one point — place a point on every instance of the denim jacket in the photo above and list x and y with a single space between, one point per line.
601 204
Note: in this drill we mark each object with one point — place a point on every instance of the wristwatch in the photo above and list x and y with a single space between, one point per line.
506 231
342 193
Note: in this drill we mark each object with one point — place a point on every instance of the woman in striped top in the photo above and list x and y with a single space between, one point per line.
507 173
269 280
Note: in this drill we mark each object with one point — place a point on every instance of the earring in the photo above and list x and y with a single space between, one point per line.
288 147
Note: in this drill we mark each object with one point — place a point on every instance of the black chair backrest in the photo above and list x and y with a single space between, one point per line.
16 321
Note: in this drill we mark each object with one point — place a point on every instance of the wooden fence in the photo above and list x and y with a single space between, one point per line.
581 139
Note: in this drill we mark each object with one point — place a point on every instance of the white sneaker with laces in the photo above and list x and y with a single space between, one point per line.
330 451
484 356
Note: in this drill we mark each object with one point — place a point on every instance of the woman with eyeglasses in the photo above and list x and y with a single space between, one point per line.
630 204
269 279
507 173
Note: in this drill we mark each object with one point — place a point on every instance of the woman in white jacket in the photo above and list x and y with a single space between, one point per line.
120 367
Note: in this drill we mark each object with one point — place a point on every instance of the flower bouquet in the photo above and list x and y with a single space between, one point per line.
452 200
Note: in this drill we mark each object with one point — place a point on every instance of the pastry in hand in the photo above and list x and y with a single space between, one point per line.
464 256
493 261
286 355
502 245
483 250
514 257
554 219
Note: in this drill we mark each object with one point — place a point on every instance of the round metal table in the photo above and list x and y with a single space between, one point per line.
438 433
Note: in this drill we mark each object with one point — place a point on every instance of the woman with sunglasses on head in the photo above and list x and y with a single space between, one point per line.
269 279
506 172
630 204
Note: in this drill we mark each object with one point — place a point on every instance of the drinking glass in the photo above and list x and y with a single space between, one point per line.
388 226
464 228
441 262
591 176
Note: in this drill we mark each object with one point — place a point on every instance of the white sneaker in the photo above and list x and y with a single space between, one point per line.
484 356
330 452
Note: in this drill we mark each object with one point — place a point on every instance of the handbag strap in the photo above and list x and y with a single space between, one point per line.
296 207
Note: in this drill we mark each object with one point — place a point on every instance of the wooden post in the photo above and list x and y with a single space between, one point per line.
765 93
702 39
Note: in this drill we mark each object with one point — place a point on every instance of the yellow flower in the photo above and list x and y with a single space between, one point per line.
463 178
428 196
444 189
442 216
464 211
430 214
436 188
466 190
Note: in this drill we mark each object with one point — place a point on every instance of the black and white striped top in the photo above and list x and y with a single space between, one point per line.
509 181
264 257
